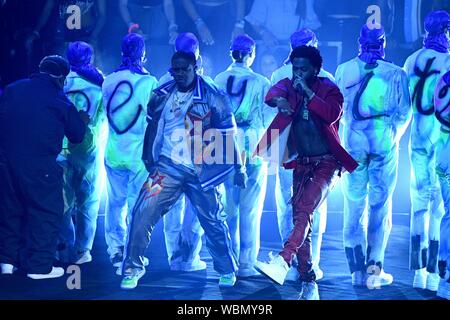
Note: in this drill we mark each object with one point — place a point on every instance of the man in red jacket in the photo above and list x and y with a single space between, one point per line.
309 111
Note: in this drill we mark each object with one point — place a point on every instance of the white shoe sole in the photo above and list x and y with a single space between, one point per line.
265 269
137 282
187 267
315 297
420 279
55 273
374 281
432 283
7 268
84 259
419 284
245 273
227 285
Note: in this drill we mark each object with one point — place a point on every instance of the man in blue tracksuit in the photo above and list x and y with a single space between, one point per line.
182 230
181 160
35 115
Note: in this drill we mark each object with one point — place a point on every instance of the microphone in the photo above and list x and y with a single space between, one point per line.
298 87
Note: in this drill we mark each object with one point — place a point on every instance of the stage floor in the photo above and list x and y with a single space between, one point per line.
99 281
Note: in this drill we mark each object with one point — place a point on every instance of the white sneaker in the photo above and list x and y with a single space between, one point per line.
276 269
433 281
227 280
188 267
420 279
7 268
310 291
130 281
55 273
382 279
83 257
358 279
444 289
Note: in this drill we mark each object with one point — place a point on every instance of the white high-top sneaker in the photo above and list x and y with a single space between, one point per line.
379 280
276 269
83 257
420 278
433 281
310 291
7 268
227 280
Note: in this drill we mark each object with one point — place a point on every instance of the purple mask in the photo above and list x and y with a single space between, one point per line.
243 43
436 25
371 44
187 42
133 53
302 37
79 55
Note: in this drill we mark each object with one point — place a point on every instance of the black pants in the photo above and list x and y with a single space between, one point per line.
31 209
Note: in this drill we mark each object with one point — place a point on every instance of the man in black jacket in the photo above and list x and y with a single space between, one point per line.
35 115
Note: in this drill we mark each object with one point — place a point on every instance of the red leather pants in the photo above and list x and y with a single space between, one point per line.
313 179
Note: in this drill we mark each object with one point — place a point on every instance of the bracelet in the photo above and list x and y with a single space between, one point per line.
240 24
198 22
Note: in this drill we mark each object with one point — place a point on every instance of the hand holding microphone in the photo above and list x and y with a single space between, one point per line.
298 84
302 87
